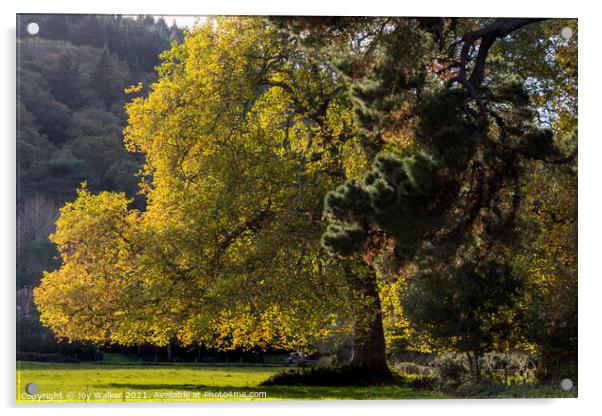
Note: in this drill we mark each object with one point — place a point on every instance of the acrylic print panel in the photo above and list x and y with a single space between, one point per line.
266 208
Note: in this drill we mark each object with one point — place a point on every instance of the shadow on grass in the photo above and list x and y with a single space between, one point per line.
336 376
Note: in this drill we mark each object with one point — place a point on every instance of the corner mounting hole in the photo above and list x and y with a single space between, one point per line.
566 32
33 28
566 384
32 388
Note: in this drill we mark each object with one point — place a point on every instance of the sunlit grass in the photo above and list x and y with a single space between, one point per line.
155 382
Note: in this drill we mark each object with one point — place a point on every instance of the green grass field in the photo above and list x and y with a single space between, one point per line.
135 383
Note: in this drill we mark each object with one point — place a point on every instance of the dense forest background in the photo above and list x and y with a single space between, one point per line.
71 79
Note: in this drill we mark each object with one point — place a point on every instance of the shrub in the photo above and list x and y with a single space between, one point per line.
325 362
425 383
452 368
413 368
493 361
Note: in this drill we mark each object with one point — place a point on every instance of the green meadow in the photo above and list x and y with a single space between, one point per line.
142 383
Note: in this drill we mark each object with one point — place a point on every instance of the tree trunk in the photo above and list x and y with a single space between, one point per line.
169 352
368 337
477 367
470 364
197 352
474 366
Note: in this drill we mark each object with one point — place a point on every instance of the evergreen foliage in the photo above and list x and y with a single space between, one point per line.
421 150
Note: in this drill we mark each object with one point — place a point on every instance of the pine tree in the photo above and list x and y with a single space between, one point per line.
102 80
447 200
66 82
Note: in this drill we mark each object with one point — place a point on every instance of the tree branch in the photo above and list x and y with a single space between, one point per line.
483 39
